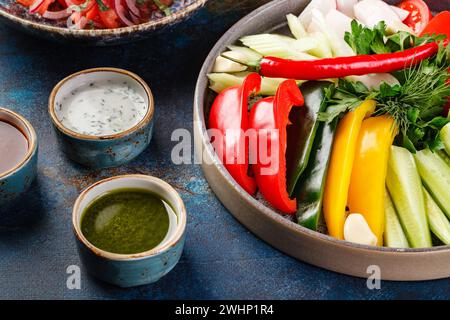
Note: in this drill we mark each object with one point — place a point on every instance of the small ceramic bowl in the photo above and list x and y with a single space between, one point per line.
102 151
128 270
16 181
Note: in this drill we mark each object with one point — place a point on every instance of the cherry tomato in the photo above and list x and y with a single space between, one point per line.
419 15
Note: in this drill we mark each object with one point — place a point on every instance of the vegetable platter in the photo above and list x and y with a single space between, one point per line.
95 22
352 109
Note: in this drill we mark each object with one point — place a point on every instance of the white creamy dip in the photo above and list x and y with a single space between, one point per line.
102 107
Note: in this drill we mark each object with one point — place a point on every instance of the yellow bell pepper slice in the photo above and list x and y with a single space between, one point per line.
366 194
340 168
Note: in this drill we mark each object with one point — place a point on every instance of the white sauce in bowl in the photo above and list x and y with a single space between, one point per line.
102 107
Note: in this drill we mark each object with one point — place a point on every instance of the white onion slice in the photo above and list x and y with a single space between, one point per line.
56 15
79 25
402 14
36 5
120 12
131 4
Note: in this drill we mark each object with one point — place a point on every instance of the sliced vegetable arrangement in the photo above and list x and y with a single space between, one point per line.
99 14
368 140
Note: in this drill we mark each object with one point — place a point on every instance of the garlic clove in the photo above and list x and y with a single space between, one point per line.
357 230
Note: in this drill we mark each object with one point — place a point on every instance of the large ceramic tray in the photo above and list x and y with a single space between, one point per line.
285 235
18 17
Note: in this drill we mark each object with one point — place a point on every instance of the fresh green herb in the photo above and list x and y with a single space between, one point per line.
416 103
102 6
364 40
141 2
81 7
167 11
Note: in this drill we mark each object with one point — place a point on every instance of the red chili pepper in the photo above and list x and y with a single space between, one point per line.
229 114
269 117
345 66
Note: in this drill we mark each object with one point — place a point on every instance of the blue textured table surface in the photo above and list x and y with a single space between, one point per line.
221 260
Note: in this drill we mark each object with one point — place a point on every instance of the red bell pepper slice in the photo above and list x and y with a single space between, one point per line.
269 117
440 24
229 114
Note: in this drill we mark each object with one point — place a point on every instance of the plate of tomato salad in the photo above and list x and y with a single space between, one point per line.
325 130
95 22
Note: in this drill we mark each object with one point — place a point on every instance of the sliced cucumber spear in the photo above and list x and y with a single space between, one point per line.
439 223
405 188
435 174
445 137
394 237
296 27
444 156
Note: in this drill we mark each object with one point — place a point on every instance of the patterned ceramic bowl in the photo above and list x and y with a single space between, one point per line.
15 182
18 17
128 270
102 151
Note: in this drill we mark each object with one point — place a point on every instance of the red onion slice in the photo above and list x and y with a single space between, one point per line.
56 15
36 5
121 13
131 4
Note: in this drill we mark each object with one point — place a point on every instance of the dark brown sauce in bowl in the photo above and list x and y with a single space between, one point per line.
13 146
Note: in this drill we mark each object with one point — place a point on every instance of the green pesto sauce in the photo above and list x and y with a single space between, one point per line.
126 221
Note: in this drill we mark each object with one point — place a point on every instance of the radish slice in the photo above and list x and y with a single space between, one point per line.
402 14
56 15
131 4
121 13
36 5
339 23
321 5
346 7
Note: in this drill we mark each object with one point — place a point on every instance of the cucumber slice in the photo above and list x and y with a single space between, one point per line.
405 188
248 56
439 224
280 46
444 156
221 81
226 65
323 49
296 27
394 237
445 136
435 175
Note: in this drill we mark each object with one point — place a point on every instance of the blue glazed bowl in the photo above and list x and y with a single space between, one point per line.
129 270
102 151
15 182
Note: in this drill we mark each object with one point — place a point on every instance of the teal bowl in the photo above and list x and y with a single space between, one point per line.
129 270
15 182
102 151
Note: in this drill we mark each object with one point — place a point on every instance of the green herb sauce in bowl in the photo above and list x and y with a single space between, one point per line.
126 221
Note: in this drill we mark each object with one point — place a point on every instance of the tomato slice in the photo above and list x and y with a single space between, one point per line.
44 6
92 13
419 14
109 17
440 24
26 3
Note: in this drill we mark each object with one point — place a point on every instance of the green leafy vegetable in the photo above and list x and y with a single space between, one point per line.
364 40
102 6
